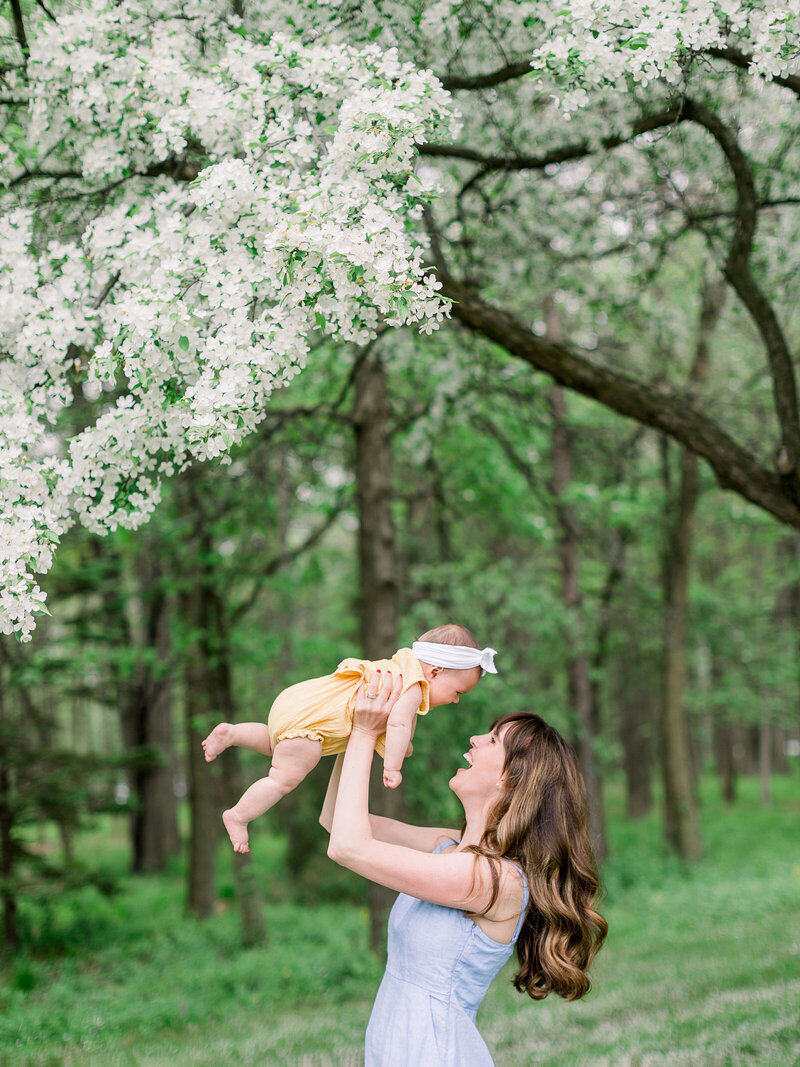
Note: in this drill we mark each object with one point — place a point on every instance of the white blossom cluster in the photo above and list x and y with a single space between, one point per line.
176 305
613 43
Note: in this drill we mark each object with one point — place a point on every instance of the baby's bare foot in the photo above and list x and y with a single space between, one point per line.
217 741
237 831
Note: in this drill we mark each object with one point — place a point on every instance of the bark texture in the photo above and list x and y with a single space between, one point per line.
655 405
147 724
580 690
8 853
209 699
681 825
378 573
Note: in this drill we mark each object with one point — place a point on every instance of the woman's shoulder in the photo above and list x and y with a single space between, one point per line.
502 921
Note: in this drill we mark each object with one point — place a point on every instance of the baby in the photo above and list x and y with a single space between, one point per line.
314 718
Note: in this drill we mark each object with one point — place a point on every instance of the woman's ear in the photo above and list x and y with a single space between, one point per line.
435 671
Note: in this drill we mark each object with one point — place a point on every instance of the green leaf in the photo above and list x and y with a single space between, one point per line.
183 342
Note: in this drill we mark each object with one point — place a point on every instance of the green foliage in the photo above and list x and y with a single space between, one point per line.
699 967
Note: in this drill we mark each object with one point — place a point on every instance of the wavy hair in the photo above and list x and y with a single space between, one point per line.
541 822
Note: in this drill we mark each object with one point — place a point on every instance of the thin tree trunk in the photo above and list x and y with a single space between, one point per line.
248 891
203 779
209 699
723 755
796 614
637 749
301 832
148 724
765 756
7 844
681 825
780 763
580 689
377 569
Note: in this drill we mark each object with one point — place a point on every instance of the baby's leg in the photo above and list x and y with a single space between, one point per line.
253 735
293 759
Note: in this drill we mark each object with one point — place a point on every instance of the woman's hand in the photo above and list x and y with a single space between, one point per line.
374 702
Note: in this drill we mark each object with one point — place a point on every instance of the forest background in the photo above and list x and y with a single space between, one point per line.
593 464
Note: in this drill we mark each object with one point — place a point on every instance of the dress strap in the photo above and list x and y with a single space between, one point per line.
443 845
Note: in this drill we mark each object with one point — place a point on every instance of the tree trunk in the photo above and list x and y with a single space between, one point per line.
205 799
209 699
723 756
7 844
681 826
780 762
765 756
377 570
147 725
637 748
580 690
294 818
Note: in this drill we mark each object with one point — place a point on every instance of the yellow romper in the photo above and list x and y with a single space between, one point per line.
322 708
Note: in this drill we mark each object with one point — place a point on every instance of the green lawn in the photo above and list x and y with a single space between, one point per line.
701 967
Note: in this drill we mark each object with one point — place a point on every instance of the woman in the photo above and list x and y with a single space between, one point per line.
520 872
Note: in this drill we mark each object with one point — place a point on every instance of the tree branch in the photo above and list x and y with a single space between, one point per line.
19 27
454 82
737 271
283 559
655 406
742 60
178 169
511 71
577 150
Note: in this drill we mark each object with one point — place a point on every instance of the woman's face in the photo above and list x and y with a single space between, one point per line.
486 760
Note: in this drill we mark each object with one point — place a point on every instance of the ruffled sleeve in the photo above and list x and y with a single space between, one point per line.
411 669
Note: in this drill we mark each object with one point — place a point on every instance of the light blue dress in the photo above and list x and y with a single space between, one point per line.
439 966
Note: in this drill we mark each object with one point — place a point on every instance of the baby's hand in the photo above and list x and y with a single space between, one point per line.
392 779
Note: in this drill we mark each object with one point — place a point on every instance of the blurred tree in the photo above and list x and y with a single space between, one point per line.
41 783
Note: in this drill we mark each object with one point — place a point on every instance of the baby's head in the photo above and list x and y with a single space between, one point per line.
448 683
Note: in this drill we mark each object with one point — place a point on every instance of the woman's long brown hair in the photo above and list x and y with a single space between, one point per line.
541 822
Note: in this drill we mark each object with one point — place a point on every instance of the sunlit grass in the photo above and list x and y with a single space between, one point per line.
701 967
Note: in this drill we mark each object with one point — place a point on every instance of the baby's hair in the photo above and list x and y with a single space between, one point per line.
450 634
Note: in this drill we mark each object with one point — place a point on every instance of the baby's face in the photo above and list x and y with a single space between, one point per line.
448 684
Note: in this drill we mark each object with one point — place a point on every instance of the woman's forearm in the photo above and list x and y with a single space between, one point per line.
351 830
329 804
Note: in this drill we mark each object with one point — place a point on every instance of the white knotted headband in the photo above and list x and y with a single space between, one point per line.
455 657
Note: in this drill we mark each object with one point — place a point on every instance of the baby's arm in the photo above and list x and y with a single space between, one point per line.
399 730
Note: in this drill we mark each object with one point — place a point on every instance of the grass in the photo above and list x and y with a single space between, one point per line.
701 967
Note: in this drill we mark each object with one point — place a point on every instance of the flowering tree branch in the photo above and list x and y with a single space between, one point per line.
295 217
744 62
194 196
509 72
567 153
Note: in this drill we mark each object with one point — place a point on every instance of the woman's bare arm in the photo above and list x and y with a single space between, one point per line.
454 879
329 803
421 838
